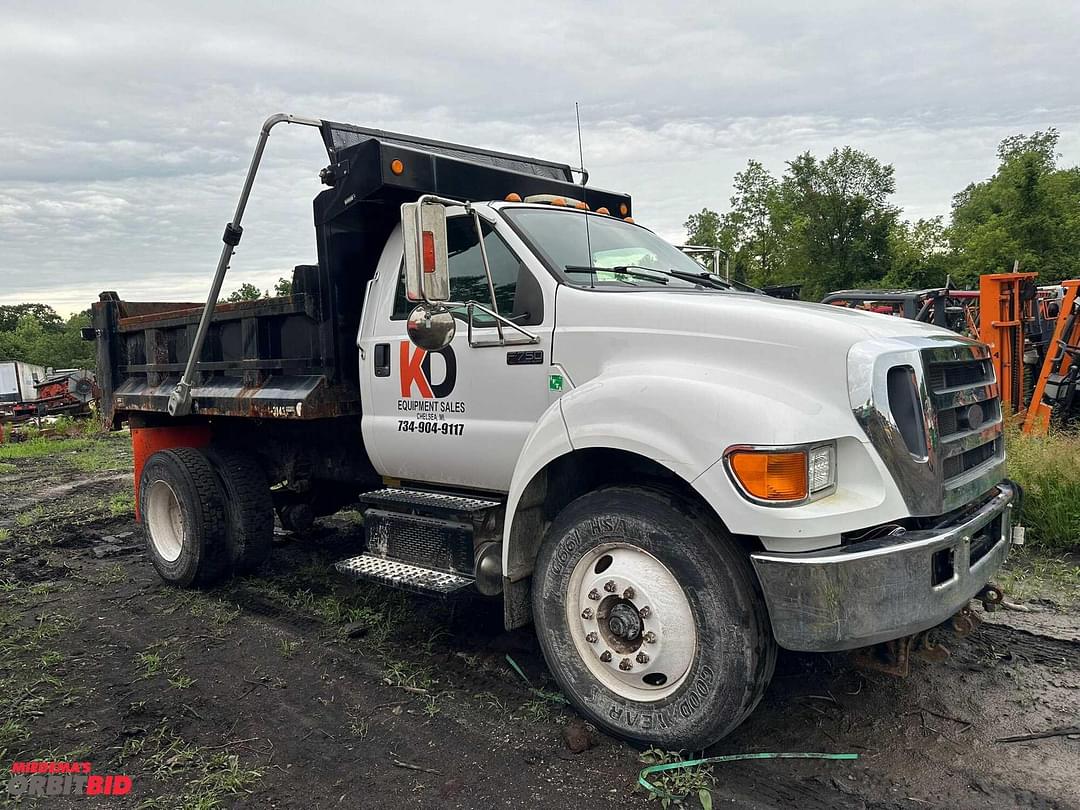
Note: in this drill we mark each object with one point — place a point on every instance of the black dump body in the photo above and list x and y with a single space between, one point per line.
294 357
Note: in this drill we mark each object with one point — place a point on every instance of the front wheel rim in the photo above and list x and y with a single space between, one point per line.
631 622
165 521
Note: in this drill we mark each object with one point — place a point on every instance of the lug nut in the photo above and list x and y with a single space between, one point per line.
625 665
592 638
644 612
628 594
642 658
649 637
610 586
594 595
605 656
587 613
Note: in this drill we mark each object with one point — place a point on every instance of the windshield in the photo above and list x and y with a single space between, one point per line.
622 254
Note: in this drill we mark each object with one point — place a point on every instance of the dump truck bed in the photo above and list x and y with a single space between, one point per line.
270 358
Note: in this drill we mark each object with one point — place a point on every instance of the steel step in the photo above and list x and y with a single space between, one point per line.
437 504
405 576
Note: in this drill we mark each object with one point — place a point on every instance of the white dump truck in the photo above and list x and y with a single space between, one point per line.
537 399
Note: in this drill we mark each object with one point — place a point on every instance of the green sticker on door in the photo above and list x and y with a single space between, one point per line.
555 382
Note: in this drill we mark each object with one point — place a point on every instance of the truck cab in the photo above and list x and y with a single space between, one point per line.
537 399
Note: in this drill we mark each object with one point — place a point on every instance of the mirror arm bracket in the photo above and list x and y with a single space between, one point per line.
528 338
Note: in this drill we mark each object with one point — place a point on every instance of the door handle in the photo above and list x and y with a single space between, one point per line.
382 359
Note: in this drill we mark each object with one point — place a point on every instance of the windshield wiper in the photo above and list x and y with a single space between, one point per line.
624 270
704 278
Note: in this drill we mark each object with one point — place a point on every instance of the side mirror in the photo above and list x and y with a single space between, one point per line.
427 265
431 327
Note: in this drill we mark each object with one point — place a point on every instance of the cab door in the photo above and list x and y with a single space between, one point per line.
458 416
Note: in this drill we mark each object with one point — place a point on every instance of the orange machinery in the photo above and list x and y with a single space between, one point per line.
1057 383
1007 301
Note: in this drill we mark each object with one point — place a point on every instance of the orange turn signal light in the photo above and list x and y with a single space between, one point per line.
771 475
624 209
396 166
428 252
513 196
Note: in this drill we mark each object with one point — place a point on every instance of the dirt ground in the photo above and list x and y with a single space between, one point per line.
298 689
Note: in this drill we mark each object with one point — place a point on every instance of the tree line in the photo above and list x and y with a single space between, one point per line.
830 223
36 334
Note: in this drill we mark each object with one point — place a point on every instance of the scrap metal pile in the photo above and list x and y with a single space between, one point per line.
32 391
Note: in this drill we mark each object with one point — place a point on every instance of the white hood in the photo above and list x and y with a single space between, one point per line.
745 334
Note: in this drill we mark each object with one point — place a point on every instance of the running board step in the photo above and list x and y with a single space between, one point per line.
408 577
436 504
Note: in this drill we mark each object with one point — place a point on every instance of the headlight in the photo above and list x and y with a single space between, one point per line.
783 476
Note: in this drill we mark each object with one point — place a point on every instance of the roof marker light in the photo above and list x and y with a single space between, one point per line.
551 199
603 211
624 209
513 196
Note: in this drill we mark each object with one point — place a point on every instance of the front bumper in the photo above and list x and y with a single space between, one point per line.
882 589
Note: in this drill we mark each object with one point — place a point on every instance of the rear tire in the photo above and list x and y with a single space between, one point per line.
183 517
650 618
249 509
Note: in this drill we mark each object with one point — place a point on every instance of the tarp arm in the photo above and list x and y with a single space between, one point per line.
180 398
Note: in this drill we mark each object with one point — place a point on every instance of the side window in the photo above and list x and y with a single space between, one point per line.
517 293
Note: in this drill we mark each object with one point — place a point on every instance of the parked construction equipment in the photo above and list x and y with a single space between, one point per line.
1055 391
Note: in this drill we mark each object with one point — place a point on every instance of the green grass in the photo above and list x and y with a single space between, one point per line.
108 575
109 453
409 675
289 648
122 503
42 446
1048 469
179 680
30 516
90 452
1029 574
213 779
29 687
152 662
681 787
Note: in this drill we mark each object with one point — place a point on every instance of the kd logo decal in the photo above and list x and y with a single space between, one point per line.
415 365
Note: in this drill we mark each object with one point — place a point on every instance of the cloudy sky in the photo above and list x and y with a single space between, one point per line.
128 126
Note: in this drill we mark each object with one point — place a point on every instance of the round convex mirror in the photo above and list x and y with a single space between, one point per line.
431 327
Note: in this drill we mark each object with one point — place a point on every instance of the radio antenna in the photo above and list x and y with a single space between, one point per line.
584 178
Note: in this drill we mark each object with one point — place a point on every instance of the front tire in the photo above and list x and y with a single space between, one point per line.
650 619
183 517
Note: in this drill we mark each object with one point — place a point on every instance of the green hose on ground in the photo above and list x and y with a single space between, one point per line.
693 763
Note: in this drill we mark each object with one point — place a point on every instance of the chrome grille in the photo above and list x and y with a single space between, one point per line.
964 456
967 410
